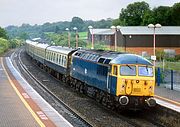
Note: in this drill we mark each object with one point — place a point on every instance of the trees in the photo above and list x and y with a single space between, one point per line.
4 44
77 22
162 15
148 18
133 14
3 33
139 13
175 16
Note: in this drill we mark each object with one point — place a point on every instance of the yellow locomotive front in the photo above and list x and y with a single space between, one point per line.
135 83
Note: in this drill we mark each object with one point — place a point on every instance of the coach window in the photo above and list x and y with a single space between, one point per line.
115 70
65 61
48 55
60 59
57 57
54 55
51 56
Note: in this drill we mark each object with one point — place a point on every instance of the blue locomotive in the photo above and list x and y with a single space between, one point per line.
112 78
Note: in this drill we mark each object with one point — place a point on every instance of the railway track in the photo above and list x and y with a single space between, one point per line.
77 118
79 121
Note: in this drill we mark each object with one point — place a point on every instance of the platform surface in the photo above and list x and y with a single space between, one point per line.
21 105
168 98
13 113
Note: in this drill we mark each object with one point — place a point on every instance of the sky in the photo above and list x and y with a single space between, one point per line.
17 12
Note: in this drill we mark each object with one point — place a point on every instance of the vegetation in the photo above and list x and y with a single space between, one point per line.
139 13
4 44
3 33
169 65
27 31
62 39
98 45
82 35
168 62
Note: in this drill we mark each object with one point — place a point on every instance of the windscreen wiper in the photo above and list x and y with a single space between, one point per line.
129 67
147 69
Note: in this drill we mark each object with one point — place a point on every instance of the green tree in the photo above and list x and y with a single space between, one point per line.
15 43
4 44
133 14
24 36
3 33
77 22
175 16
162 15
148 18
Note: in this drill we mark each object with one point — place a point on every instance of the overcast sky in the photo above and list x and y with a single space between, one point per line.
16 12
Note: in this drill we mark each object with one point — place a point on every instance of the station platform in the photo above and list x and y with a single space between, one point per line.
21 105
168 98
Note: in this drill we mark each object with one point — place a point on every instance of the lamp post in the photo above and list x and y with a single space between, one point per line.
154 40
75 29
69 45
115 29
92 36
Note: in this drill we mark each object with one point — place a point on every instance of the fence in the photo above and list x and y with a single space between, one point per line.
168 78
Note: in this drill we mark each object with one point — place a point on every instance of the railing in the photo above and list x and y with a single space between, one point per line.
168 78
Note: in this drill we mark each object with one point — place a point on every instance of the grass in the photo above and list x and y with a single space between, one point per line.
169 65
82 35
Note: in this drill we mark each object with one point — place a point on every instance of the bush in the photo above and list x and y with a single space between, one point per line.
160 55
177 57
170 59
4 45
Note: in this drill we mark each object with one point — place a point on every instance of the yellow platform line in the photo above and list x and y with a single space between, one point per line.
168 100
22 99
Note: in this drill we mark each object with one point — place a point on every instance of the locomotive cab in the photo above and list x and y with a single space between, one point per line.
134 77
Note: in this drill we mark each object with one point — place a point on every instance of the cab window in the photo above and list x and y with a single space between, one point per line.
115 70
145 71
128 70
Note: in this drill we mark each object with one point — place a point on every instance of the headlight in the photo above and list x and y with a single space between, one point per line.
151 89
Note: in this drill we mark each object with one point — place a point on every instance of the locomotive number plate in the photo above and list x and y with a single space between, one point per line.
137 89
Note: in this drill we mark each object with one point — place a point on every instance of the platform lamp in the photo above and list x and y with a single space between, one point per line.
76 30
154 39
115 29
69 44
92 36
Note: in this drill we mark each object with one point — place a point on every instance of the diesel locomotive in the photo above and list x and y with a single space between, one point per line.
113 78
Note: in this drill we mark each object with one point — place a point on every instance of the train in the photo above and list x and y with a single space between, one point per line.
115 79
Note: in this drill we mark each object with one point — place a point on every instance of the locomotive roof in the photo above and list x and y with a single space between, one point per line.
130 59
60 49
111 57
